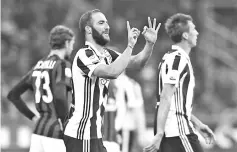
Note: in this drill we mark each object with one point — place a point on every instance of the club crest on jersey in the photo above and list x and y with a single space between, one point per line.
173 75
68 72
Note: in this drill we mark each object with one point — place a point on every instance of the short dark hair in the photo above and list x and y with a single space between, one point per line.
59 35
176 25
85 20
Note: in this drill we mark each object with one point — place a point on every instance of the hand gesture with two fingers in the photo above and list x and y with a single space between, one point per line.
150 32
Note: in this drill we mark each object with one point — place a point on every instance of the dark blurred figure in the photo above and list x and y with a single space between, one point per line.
50 81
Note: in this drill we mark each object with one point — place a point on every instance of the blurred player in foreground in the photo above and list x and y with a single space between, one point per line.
174 121
110 137
50 80
130 120
124 115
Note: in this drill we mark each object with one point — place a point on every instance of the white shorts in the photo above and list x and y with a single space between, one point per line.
46 144
111 146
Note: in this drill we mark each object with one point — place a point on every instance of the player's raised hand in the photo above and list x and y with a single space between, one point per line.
150 32
132 35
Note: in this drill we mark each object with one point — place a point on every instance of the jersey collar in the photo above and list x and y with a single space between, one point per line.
93 48
176 47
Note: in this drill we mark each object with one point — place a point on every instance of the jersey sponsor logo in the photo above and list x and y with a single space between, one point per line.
172 78
173 75
45 64
68 72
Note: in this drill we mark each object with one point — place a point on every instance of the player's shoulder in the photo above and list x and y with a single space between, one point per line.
86 50
172 55
58 61
86 54
46 63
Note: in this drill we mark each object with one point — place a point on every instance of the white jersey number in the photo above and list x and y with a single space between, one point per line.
39 76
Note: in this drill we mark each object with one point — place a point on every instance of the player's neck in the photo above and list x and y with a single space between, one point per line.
185 46
60 53
100 48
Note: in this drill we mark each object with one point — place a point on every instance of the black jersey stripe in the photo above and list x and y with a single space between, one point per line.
93 128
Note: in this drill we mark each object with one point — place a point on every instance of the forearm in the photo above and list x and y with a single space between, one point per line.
121 63
162 114
21 106
196 121
140 60
113 70
61 104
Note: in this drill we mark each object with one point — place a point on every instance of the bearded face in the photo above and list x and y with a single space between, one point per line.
101 38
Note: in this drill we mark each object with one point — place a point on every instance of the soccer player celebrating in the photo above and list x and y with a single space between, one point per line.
50 80
92 67
174 121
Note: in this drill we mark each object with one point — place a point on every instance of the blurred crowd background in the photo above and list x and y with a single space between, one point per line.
25 25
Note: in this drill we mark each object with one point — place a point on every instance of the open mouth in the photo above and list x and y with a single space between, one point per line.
106 34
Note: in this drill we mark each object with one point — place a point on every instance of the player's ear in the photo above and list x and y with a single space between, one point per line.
185 35
88 29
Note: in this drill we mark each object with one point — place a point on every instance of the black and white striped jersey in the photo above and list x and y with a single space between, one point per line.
175 68
89 93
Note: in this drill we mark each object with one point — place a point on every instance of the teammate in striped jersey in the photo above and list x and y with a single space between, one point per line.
174 127
50 80
92 68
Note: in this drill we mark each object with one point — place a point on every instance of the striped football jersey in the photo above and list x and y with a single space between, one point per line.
175 68
89 93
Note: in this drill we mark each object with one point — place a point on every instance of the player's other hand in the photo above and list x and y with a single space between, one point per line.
133 34
150 33
207 134
155 145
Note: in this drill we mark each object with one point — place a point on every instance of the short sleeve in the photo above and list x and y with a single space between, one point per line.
87 61
172 68
63 73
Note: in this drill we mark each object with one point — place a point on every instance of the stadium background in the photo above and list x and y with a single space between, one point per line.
25 25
